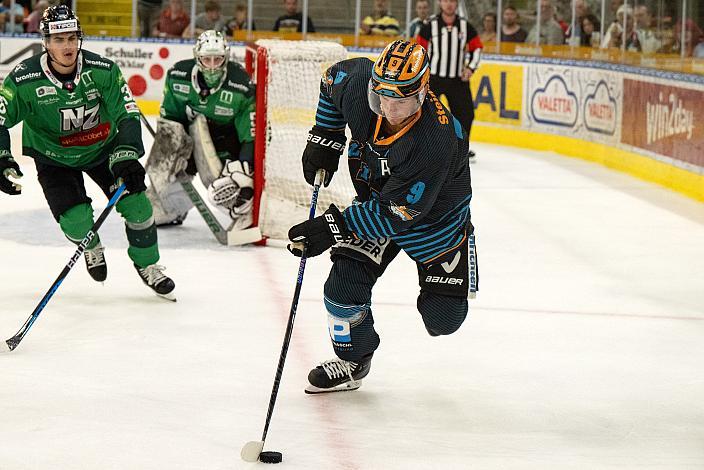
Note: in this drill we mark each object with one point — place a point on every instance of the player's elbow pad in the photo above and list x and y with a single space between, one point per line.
323 150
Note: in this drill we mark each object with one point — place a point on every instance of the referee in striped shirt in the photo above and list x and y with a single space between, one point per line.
455 50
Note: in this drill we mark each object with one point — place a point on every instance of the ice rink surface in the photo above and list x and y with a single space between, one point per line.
583 350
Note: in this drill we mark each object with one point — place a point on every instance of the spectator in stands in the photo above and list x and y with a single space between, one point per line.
7 12
590 31
210 19
292 21
173 21
511 30
614 35
581 10
488 33
33 19
381 22
645 29
698 52
610 15
551 32
692 37
423 12
148 14
239 21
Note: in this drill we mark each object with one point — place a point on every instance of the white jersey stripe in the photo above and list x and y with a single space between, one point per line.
454 39
434 49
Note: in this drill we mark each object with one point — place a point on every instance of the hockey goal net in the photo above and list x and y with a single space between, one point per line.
287 76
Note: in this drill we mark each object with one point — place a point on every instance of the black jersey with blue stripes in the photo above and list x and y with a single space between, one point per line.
413 186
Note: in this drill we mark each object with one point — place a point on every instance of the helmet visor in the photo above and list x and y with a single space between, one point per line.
394 108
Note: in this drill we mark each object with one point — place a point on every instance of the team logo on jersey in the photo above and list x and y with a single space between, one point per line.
131 107
237 86
181 88
6 92
92 94
403 212
88 137
27 76
226 97
80 118
87 78
220 111
45 91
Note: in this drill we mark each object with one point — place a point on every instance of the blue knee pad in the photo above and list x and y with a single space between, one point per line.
442 315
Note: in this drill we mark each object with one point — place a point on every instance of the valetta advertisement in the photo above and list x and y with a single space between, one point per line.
574 101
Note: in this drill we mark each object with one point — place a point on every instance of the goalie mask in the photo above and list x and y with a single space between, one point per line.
399 81
212 53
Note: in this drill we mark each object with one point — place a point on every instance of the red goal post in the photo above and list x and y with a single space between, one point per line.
287 79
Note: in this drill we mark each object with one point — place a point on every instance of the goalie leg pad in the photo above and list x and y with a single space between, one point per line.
207 161
165 167
172 149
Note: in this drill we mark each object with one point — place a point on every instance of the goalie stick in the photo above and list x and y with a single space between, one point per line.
13 342
218 231
251 450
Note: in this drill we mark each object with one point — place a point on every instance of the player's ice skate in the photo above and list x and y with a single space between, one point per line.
156 280
95 263
337 375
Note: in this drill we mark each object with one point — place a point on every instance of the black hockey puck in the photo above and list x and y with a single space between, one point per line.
271 457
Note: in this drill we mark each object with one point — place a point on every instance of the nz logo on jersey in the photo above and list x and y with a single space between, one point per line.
80 118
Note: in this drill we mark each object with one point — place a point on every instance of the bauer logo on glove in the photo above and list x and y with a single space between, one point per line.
318 234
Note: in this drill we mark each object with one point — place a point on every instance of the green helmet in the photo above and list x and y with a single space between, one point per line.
212 53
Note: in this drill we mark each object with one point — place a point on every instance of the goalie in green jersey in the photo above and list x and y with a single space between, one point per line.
205 127
79 118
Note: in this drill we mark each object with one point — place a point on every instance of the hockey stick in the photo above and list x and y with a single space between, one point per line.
252 449
13 342
205 212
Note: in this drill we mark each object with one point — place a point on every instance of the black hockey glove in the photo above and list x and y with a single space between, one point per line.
318 234
9 169
125 166
323 150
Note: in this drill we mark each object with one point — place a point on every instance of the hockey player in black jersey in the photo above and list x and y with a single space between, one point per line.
408 162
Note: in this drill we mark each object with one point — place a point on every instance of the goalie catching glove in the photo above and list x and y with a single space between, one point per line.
323 150
318 234
233 192
124 165
9 169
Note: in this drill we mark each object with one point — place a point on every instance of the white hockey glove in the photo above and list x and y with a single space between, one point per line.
233 192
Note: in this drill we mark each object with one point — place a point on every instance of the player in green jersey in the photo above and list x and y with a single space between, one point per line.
205 127
79 117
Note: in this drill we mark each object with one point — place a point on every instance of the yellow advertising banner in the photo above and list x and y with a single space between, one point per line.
498 93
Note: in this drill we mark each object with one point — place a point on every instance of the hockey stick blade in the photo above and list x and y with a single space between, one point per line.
251 450
8 345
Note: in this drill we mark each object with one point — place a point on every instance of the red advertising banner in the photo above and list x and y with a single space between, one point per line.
664 119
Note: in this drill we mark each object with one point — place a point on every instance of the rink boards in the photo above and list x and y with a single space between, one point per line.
641 121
